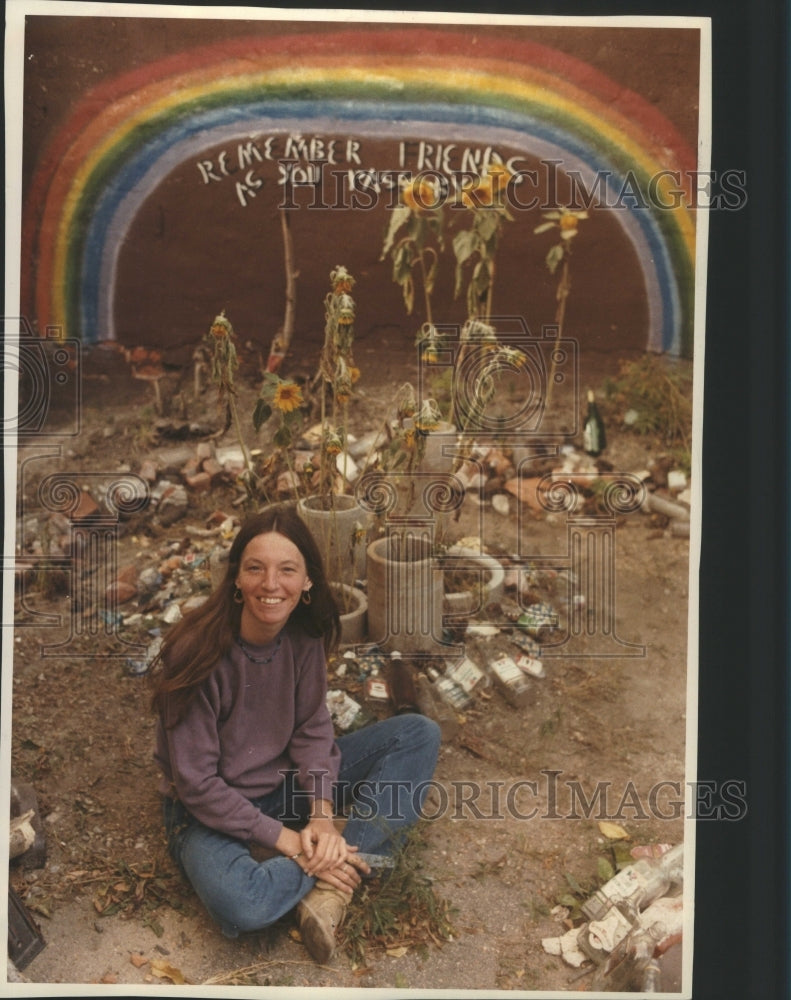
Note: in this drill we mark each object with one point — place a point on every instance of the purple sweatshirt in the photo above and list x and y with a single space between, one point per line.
248 722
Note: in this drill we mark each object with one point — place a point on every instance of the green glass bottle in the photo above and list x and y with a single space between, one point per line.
594 440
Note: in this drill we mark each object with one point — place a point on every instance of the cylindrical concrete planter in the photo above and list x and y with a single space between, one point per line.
353 606
341 529
490 579
434 459
404 593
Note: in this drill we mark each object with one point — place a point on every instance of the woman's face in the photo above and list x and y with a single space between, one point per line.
272 578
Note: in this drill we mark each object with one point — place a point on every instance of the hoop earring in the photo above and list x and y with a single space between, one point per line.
306 598
238 597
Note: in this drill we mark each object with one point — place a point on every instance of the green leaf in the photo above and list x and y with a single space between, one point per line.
464 245
261 413
604 870
622 854
554 257
544 227
403 256
282 436
488 223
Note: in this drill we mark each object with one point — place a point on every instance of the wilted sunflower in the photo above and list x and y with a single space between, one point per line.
221 327
406 404
343 381
567 220
332 443
429 417
479 194
485 192
419 196
430 354
344 307
341 281
288 397
513 357
499 175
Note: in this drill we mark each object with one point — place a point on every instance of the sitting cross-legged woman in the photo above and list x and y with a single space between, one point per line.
247 749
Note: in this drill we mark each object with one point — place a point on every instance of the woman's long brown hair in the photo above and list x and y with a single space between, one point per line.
195 644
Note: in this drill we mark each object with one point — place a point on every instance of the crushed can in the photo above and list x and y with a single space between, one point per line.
526 643
536 618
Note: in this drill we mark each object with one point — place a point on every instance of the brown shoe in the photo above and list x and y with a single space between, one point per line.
319 916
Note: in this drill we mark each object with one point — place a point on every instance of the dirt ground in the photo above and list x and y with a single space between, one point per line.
82 736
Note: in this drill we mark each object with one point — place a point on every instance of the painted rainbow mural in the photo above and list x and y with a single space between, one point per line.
127 135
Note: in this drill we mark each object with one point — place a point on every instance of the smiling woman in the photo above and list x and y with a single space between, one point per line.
247 751
272 579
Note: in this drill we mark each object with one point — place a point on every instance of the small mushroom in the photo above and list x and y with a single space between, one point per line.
152 374
146 366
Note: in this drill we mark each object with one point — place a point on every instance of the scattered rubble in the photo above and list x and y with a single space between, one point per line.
629 923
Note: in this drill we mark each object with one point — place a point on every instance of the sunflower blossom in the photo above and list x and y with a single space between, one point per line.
288 397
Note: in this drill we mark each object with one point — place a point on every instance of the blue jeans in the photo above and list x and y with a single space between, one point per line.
385 772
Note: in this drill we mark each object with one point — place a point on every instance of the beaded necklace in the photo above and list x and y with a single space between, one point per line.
258 659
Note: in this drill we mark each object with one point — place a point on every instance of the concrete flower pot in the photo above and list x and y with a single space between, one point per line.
443 437
487 573
404 594
341 531
353 606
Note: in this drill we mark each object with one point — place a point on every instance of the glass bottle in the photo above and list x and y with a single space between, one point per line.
637 885
433 706
402 685
594 440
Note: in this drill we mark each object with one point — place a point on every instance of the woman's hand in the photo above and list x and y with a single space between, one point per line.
345 876
321 851
322 846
